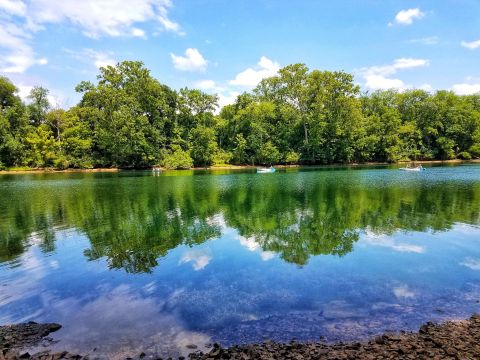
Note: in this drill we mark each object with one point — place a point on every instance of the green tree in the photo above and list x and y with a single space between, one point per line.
203 145
39 105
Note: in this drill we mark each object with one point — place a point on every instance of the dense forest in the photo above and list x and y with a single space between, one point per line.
129 119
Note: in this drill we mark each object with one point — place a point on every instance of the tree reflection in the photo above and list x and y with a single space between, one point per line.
133 221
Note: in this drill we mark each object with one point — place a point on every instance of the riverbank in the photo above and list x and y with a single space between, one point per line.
230 167
458 339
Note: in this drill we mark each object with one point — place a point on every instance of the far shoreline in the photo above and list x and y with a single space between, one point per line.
230 167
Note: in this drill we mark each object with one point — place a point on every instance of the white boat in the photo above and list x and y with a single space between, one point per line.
416 168
269 170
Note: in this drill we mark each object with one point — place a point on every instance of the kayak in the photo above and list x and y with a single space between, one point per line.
418 168
266 170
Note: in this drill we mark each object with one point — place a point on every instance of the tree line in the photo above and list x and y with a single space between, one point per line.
129 119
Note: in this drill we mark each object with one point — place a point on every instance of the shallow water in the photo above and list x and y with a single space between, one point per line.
132 262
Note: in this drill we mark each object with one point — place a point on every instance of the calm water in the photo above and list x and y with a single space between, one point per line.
132 261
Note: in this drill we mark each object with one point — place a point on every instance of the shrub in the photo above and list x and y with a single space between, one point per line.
61 163
222 157
465 155
177 159
292 157
268 154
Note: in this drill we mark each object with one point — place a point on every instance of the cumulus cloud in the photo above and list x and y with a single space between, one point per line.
252 76
426 87
227 98
96 58
472 45
16 53
466 89
20 20
207 85
192 61
13 7
380 77
226 95
406 17
138 32
97 18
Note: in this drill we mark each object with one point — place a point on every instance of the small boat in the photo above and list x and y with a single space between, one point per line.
416 168
269 170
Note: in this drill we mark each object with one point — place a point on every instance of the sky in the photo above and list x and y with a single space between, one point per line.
227 47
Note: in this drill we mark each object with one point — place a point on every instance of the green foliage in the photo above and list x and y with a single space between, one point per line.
41 147
268 154
177 159
129 119
39 105
222 157
465 155
292 157
203 145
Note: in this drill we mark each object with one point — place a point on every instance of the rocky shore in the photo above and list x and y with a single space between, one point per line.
450 340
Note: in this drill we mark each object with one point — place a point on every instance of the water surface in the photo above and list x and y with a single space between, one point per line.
130 261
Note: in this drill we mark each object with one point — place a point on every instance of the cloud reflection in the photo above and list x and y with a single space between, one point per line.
403 292
471 263
252 245
386 241
199 258
119 322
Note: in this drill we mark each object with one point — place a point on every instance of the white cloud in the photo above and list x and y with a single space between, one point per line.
98 18
379 77
430 40
227 98
16 54
471 263
100 59
192 61
252 76
426 87
466 89
406 17
403 292
226 95
13 7
381 82
55 98
406 63
96 58
20 20
471 45
138 32
206 84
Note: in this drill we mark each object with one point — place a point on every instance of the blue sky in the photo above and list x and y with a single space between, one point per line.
226 47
